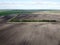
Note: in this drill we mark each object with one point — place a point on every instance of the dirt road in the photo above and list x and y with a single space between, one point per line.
30 33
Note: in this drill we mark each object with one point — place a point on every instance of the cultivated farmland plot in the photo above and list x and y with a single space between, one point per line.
30 33
37 16
14 31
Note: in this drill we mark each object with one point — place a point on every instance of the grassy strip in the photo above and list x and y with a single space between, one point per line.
16 20
12 18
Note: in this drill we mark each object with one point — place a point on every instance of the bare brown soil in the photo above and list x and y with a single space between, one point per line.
30 33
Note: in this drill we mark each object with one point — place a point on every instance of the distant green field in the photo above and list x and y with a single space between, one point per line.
7 12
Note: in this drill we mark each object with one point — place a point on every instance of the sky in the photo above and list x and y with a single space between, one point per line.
29 4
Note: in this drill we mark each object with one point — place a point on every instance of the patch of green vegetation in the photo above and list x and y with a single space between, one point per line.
15 20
